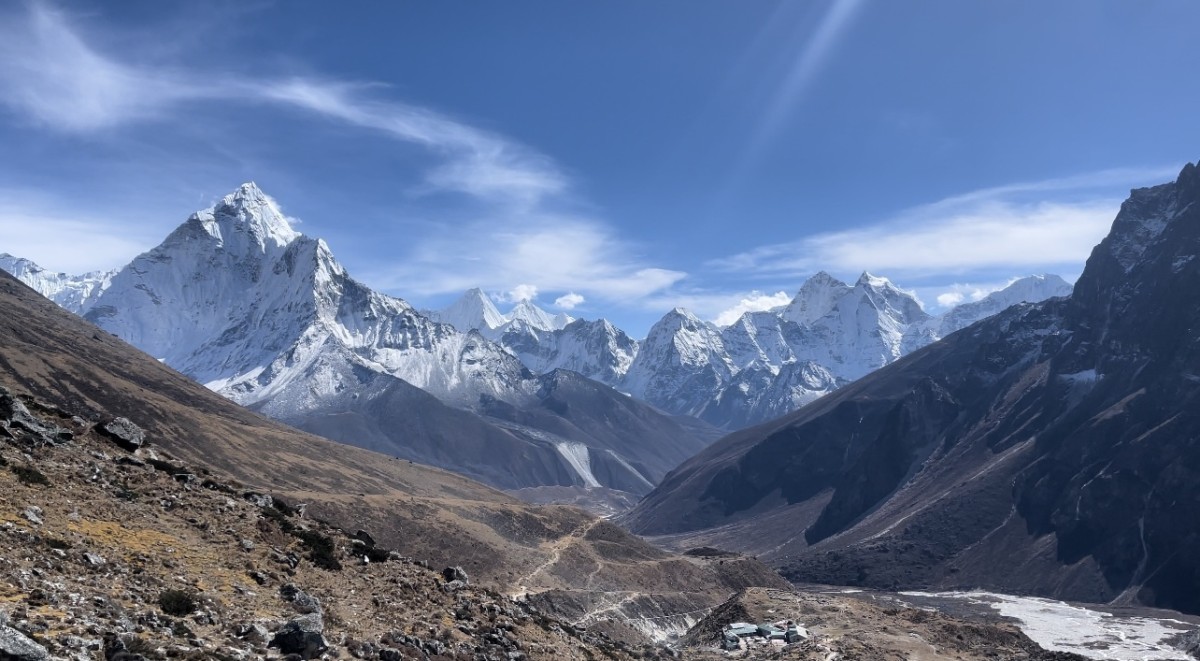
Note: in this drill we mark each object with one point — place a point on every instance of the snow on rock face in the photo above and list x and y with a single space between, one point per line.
243 303
681 363
73 292
770 363
472 311
1031 289
595 349
816 298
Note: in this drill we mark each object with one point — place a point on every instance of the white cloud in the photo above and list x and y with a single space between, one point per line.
50 73
518 294
755 301
550 252
993 235
569 301
950 299
1017 227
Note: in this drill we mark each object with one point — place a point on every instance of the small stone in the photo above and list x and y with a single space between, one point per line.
302 601
33 514
247 544
93 560
252 632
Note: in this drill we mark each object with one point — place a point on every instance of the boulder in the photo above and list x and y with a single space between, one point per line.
304 635
17 646
124 433
455 574
18 417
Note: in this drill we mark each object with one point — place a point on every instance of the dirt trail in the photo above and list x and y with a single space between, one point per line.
556 548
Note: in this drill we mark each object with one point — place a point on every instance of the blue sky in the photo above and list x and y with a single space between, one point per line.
616 158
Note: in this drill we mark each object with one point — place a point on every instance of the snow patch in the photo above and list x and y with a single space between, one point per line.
578 458
1060 627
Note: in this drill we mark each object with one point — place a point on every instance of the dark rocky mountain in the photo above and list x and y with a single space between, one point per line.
1053 449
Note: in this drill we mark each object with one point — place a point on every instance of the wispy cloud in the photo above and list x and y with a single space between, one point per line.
1008 227
809 48
554 253
53 75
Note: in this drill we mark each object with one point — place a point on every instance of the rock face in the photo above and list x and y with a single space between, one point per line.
1050 449
238 300
15 646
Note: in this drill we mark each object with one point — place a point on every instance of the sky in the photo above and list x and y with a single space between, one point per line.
615 158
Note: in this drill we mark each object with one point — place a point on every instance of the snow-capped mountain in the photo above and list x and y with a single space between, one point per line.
763 365
73 292
472 311
769 363
240 301
595 349
1031 289
475 311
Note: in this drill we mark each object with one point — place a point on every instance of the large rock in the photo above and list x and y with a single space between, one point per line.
16 646
14 412
124 433
304 635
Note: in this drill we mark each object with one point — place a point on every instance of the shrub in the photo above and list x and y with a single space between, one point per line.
177 602
321 549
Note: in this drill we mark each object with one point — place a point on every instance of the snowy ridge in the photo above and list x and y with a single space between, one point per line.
767 364
73 292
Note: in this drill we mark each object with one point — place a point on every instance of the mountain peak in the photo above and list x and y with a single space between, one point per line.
525 311
877 282
250 212
472 310
816 298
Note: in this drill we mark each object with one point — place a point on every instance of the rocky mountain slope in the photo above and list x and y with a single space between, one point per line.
196 483
238 300
1049 450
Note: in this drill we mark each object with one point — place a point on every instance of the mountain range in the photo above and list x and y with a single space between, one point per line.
240 301
764 365
1050 449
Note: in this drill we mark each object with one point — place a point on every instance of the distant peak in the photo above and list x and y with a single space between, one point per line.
248 208
873 280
